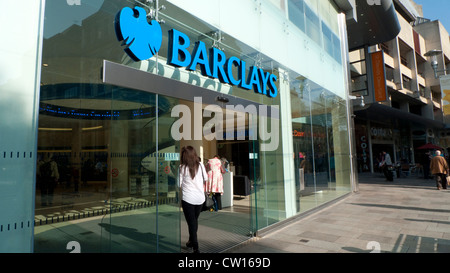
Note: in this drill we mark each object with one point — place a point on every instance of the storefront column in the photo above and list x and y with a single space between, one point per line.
369 138
342 164
287 145
20 66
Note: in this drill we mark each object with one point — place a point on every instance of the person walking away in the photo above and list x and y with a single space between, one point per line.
215 179
192 178
439 168
49 176
387 166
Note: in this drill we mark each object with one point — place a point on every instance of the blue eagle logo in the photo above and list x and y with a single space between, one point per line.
141 38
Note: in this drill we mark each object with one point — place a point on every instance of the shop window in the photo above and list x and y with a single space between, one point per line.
406 82
395 104
385 48
312 25
415 109
297 13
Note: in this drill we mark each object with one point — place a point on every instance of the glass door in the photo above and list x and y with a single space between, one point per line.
144 157
225 136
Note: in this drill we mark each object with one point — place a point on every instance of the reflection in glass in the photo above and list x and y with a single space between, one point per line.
116 159
320 145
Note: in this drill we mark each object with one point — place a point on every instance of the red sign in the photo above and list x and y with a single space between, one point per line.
115 172
379 76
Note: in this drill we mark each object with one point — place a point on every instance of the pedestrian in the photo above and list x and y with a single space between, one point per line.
386 166
49 176
215 179
439 168
192 180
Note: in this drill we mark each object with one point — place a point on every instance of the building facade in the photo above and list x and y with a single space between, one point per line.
406 111
109 91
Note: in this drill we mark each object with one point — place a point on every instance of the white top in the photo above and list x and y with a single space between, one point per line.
387 159
193 190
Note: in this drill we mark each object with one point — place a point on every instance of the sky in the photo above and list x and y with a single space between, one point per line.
436 10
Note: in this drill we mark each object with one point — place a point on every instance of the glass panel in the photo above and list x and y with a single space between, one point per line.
297 13
269 187
74 124
312 25
144 160
303 144
168 213
72 189
227 134
320 145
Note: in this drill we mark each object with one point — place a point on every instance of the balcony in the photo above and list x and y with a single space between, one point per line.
421 80
406 71
436 103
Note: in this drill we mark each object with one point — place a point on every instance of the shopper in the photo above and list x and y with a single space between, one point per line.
386 165
215 179
48 176
439 168
192 178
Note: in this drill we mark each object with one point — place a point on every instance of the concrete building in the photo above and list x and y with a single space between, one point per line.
403 107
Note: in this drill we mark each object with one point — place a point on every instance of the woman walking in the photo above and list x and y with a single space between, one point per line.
192 179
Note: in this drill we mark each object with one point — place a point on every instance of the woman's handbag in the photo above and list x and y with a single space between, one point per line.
209 201
448 180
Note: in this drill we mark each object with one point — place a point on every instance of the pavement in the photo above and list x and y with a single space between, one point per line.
408 215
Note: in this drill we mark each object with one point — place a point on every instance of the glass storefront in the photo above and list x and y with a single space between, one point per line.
113 185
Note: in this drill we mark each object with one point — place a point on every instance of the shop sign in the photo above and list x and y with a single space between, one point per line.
296 133
381 132
379 76
364 146
142 40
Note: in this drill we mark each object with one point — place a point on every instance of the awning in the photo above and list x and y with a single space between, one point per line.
375 24
382 113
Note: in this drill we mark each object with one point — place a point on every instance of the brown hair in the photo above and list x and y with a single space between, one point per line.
190 159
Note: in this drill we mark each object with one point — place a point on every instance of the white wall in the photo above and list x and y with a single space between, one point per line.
19 100
266 28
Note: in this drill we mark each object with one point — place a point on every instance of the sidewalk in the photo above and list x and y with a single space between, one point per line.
408 215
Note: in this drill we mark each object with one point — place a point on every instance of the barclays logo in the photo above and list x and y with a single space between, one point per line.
141 38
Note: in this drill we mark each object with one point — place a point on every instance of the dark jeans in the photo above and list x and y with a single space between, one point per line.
47 189
441 180
191 214
218 198
387 173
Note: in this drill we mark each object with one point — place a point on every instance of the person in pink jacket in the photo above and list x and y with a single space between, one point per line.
215 179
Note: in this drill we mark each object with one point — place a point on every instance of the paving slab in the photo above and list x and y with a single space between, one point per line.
408 215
